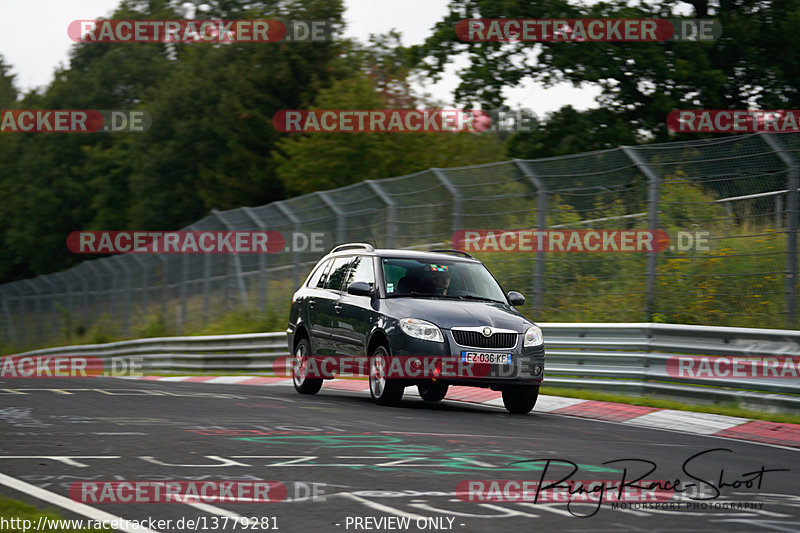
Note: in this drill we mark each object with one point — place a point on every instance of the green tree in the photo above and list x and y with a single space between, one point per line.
568 131
380 80
320 161
212 132
750 66
8 93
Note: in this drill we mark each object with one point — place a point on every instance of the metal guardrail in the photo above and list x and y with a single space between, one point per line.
628 358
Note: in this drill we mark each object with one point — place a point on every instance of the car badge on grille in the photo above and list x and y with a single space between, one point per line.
487 331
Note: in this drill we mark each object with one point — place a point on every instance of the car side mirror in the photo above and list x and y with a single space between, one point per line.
515 298
359 288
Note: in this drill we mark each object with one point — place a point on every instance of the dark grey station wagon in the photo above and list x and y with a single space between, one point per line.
408 318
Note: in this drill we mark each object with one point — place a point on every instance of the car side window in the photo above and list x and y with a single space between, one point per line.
317 279
392 274
338 272
361 270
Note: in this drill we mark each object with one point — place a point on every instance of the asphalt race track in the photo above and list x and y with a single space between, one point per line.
349 465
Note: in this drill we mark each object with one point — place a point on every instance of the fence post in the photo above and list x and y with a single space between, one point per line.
53 310
341 217
164 287
453 190
295 254
237 262
96 291
143 289
126 306
391 211
541 225
113 299
69 294
23 328
182 314
792 181
7 312
38 312
652 226
85 296
262 261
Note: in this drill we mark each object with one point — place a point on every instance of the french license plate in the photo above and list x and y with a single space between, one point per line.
486 358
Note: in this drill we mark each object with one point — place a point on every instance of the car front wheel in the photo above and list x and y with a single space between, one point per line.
384 390
520 399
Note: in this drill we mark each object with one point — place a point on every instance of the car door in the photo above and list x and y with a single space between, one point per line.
314 292
326 302
355 314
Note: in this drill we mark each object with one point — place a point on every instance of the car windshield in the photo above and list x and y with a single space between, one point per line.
440 279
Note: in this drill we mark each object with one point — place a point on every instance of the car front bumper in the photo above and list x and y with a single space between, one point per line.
526 366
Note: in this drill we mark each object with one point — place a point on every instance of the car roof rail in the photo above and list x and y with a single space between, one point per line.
354 246
462 253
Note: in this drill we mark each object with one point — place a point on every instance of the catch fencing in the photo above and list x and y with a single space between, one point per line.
729 205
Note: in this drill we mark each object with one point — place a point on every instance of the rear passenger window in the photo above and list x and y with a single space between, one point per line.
317 279
361 270
337 273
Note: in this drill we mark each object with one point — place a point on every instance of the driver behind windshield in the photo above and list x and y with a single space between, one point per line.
437 281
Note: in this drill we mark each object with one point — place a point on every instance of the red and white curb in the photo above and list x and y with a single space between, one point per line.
776 433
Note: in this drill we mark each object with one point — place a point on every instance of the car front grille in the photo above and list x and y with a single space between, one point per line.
475 339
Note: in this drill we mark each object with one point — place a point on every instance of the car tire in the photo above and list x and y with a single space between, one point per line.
433 391
520 400
302 383
384 390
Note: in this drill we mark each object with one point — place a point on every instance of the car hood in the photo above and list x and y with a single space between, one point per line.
457 313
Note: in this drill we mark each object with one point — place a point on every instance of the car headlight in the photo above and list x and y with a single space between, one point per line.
421 329
533 337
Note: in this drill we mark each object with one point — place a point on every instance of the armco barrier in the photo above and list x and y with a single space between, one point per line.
620 358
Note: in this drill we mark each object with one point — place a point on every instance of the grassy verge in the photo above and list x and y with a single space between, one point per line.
19 512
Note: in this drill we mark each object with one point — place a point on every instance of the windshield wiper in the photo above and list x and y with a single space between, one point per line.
414 294
474 297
